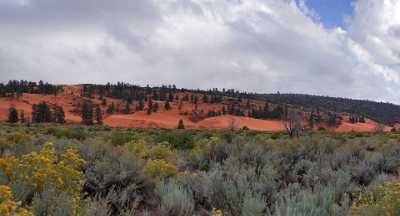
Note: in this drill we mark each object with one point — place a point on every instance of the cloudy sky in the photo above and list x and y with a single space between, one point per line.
324 47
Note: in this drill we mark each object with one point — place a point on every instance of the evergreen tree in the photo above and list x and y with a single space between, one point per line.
333 119
103 102
171 97
127 109
59 115
41 113
111 108
22 118
205 98
352 119
223 110
180 105
192 98
99 116
87 113
167 106
12 115
248 104
362 119
186 97
140 105
34 113
149 107
156 96
180 124
266 107
155 107
311 120
318 117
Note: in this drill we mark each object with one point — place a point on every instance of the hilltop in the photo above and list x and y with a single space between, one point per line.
127 105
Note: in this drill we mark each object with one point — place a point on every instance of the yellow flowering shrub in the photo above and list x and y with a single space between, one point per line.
8 206
204 144
160 151
382 200
159 169
137 147
17 136
156 157
46 169
216 212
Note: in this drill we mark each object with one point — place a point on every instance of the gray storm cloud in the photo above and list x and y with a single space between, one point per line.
253 45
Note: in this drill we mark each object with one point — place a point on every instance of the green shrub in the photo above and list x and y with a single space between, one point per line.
178 139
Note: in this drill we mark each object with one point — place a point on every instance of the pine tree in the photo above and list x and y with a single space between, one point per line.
12 115
223 110
59 115
171 97
318 117
167 106
311 120
41 113
150 105
103 102
87 113
155 107
22 118
180 124
127 109
180 105
205 98
111 108
248 104
186 97
140 105
362 119
99 116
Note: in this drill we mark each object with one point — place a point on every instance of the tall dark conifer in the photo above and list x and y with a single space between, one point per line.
12 115
180 124
58 115
99 116
41 113
87 113
167 106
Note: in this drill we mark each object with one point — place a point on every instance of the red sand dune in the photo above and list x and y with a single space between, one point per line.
162 118
170 120
368 126
225 122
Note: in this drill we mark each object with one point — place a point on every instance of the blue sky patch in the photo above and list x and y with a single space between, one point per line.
332 11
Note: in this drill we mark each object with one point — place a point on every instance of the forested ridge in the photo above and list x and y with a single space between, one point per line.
237 102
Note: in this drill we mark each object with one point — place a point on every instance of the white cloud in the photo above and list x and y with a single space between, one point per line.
255 45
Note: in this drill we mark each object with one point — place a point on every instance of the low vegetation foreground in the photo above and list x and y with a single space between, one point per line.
55 169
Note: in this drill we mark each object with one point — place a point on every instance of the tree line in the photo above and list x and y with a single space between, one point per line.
41 113
17 87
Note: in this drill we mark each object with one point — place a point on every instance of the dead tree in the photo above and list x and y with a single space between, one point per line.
232 124
293 123
379 128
